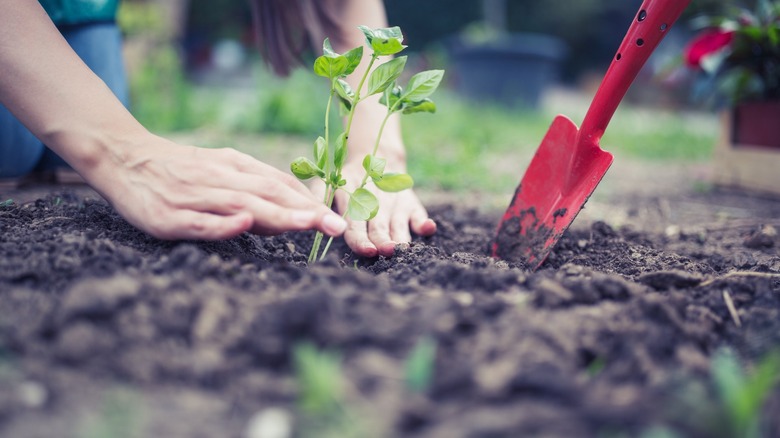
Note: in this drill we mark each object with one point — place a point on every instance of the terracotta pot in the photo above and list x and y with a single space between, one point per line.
757 124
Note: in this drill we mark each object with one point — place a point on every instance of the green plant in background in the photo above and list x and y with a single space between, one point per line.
743 396
329 157
322 396
162 98
120 416
320 381
420 365
739 53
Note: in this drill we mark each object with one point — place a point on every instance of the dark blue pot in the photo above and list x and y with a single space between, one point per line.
513 70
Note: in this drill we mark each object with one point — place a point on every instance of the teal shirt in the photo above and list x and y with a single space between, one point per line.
80 11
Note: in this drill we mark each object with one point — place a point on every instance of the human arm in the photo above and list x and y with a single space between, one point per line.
399 213
171 191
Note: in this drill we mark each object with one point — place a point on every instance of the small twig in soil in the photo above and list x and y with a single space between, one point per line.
732 308
740 274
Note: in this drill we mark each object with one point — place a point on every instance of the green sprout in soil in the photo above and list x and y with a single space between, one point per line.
323 395
330 155
321 383
419 366
743 396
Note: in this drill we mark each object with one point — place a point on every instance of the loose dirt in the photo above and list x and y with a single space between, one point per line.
105 331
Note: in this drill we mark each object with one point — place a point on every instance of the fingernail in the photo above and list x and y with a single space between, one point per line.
334 225
302 218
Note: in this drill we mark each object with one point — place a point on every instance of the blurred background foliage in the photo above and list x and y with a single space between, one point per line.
194 68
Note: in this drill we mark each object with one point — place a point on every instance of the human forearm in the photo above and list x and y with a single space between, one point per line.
55 94
169 190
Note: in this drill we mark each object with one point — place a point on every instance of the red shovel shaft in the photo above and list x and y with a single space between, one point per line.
649 27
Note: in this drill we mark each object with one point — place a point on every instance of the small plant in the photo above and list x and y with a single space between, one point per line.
742 395
320 379
419 366
330 156
739 53
323 396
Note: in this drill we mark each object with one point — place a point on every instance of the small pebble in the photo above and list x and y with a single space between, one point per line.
32 394
270 423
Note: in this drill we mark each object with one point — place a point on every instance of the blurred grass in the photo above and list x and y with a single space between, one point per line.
464 147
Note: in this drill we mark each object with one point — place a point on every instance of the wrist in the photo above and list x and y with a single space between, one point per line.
98 153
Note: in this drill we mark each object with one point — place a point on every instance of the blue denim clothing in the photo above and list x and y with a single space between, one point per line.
100 46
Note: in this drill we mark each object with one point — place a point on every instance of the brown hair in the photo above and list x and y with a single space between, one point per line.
286 29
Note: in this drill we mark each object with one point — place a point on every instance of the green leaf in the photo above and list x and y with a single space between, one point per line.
334 178
375 166
363 205
385 75
419 366
331 65
391 96
327 49
353 57
331 68
384 41
423 106
319 377
345 92
394 182
304 168
321 152
422 85
340 152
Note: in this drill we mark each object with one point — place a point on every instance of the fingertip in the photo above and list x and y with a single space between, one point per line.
333 225
366 250
387 249
234 225
428 227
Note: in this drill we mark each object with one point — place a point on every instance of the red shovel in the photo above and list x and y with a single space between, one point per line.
569 163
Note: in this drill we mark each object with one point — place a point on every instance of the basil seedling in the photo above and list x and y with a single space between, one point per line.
329 156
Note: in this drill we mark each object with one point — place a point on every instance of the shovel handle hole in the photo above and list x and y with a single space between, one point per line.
640 42
642 15
619 56
664 27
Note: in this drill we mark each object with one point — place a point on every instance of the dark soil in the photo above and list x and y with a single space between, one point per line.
105 331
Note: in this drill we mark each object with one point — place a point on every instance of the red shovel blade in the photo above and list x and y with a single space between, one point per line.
558 182
569 163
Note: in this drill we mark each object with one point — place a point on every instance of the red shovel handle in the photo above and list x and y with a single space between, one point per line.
650 26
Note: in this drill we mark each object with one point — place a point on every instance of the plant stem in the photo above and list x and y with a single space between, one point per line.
315 248
356 100
327 130
330 239
390 112
330 192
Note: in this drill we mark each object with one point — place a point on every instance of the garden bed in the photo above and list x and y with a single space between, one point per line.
105 331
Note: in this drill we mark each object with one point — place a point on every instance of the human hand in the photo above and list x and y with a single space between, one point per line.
400 214
173 191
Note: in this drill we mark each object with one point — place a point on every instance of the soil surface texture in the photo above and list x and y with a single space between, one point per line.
105 331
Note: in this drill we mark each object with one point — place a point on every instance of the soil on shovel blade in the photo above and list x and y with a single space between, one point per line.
105 331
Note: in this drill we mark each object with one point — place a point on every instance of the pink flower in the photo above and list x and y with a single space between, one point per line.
707 43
